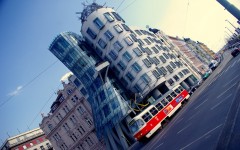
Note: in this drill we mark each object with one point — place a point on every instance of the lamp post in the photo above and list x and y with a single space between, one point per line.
231 32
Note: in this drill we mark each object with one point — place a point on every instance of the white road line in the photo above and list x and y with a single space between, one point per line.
233 64
227 68
184 128
159 146
231 80
201 104
179 120
226 90
201 137
212 81
221 102
194 115
221 74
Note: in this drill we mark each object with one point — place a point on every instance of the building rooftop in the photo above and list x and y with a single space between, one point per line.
88 9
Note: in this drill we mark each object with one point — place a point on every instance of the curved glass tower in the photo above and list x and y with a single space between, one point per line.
107 104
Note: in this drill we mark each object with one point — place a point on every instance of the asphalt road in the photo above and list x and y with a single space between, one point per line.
211 118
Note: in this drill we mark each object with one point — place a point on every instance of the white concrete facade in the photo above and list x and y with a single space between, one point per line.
140 59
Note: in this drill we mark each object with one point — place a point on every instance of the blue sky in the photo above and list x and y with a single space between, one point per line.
28 27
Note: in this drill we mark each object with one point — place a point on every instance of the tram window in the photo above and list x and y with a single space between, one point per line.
146 117
169 98
164 102
153 111
177 91
159 106
173 94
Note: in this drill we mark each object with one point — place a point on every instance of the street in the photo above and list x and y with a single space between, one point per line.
211 118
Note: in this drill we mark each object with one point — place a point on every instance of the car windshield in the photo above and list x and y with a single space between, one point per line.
135 125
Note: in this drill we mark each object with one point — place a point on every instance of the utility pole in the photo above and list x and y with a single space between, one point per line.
230 8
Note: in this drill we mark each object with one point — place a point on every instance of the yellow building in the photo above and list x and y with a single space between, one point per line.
206 49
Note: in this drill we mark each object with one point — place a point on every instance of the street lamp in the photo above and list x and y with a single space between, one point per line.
231 32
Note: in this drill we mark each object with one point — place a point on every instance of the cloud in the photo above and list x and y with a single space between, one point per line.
65 77
16 92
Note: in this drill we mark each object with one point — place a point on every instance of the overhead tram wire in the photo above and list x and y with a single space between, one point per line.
120 4
24 86
127 6
45 104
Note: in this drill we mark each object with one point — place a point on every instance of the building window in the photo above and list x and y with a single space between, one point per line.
117 46
106 110
162 59
170 81
138 32
42 148
91 33
180 74
137 51
121 65
77 82
155 49
134 37
113 55
129 76
155 61
102 43
137 88
80 110
89 141
156 74
50 126
126 27
48 145
146 78
140 42
147 41
176 78
163 70
116 15
172 64
127 56
128 41
109 36
66 127
89 122
150 39
118 28
99 24
136 67
148 51
169 68
147 62
83 91
165 55
109 17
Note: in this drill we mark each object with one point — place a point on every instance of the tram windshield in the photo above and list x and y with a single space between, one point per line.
135 125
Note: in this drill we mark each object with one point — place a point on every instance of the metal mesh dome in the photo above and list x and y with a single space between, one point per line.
88 9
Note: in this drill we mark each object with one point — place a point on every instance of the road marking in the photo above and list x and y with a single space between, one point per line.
221 74
231 81
201 137
212 81
184 128
221 102
227 68
233 64
201 104
226 90
159 146
179 120
194 115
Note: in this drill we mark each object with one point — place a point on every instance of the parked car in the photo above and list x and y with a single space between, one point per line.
235 52
207 74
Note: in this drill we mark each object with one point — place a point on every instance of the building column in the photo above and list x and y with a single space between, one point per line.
190 81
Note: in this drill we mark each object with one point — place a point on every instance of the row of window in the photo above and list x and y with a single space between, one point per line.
89 141
159 106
